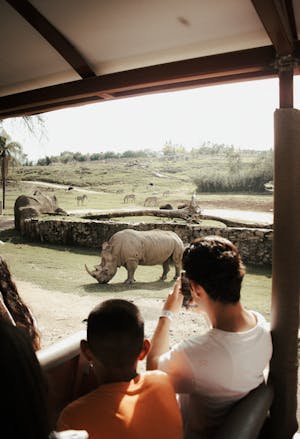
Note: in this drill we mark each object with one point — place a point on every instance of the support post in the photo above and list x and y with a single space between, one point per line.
286 259
285 65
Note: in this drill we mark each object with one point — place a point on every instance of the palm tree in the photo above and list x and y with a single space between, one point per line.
9 152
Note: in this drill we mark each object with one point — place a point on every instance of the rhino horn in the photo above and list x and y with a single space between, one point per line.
91 273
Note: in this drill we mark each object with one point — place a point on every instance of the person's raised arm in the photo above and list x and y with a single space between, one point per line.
160 339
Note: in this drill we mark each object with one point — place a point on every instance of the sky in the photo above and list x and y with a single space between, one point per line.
240 114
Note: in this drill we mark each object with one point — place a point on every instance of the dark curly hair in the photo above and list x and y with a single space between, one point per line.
215 263
23 403
15 305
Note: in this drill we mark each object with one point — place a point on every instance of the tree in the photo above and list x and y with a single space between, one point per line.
35 125
9 153
168 149
234 160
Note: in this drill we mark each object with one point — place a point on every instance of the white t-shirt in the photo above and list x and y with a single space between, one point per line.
212 371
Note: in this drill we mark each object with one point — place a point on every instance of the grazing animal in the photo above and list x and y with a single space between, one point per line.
130 198
37 192
166 206
130 248
80 199
151 201
166 193
31 207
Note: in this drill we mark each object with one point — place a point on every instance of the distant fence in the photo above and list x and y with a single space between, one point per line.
255 244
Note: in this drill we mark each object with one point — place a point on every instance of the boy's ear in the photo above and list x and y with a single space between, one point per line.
86 350
145 349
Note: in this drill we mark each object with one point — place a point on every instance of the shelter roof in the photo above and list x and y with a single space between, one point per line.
58 53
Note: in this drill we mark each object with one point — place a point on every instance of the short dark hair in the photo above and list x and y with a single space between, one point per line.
115 333
215 263
23 405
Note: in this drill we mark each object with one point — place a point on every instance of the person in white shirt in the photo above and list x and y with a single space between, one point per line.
212 371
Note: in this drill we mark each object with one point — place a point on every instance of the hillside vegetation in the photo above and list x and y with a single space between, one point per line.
173 179
208 168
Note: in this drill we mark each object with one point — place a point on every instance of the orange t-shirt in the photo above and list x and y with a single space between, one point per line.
143 408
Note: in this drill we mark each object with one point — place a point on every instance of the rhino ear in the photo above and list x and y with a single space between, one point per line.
106 247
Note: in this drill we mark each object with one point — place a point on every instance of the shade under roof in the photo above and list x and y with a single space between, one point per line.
86 44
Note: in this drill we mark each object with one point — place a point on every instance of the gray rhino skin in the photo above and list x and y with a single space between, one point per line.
32 206
130 248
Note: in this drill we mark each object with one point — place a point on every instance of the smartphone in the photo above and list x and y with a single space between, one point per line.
185 290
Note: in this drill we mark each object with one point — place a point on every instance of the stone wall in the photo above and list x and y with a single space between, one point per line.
255 244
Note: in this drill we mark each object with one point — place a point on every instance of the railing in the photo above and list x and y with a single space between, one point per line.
67 373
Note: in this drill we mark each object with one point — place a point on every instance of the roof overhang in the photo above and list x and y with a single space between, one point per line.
59 53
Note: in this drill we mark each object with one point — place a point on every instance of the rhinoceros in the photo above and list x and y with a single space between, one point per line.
32 206
130 248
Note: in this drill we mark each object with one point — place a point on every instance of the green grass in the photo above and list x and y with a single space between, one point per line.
62 268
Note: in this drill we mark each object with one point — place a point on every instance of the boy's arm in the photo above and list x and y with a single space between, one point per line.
160 339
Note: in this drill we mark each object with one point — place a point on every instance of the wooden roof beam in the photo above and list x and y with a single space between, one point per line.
277 17
51 107
250 61
142 91
53 37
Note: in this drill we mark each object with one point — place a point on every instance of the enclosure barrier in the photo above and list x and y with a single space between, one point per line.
255 245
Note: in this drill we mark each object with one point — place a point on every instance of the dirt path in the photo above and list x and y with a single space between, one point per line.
64 313
60 186
262 218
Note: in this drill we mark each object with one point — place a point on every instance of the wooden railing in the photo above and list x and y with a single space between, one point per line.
67 373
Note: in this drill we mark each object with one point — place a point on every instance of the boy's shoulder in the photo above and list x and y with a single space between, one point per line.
149 378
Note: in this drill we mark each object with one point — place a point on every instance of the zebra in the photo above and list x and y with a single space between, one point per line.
129 198
80 199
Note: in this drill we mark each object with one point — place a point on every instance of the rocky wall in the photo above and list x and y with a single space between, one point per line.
255 244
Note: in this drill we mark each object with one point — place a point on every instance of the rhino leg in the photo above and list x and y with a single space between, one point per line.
131 266
177 270
166 269
177 260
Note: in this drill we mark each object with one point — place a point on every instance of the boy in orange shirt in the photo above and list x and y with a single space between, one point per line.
126 404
